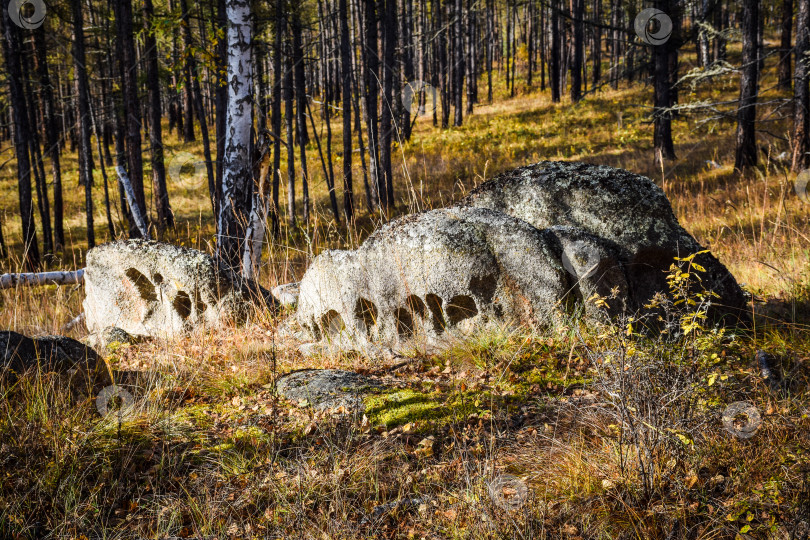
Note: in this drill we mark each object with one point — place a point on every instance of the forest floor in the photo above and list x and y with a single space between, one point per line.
210 451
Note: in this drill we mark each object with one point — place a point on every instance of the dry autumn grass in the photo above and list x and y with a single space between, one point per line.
210 451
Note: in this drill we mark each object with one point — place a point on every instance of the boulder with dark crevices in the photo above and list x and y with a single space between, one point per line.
432 276
529 247
628 212
160 290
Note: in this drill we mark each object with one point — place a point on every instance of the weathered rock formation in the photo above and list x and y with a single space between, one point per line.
526 247
626 211
445 271
160 290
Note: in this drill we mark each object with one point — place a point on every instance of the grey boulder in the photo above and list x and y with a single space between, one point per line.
20 354
628 213
154 289
432 276
326 388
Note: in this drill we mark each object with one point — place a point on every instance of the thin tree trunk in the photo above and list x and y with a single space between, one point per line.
387 119
662 117
12 49
746 152
785 45
36 158
277 67
132 106
83 98
188 73
221 101
346 102
801 90
579 50
51 136
289 117
161 194
458 65
555 52
371 91
301 95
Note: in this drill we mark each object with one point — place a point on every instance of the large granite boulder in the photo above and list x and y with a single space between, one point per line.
626 211
526 247
159 290
434 274
20 354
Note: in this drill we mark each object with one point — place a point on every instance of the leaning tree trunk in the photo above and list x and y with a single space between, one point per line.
83 98
12 50
746 153
801 90
237 172
164 210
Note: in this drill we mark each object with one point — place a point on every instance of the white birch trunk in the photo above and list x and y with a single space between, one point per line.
257 225
8 281
134 209
237 174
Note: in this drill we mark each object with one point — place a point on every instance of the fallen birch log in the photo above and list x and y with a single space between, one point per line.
8 281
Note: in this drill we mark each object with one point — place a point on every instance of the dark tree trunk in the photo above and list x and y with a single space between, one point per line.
301 107
458 65
746 152
221 99
164 210
801 90
596 52
83 98
36 157
132 107
555 81
662 130
188 73
371 92
579 50
387 119
289 117
785 46
346 101
51 136
12 49
489 47
277 55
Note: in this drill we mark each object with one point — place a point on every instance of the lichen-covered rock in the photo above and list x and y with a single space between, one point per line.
20 354
626 211
434 274
326 388
160 290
